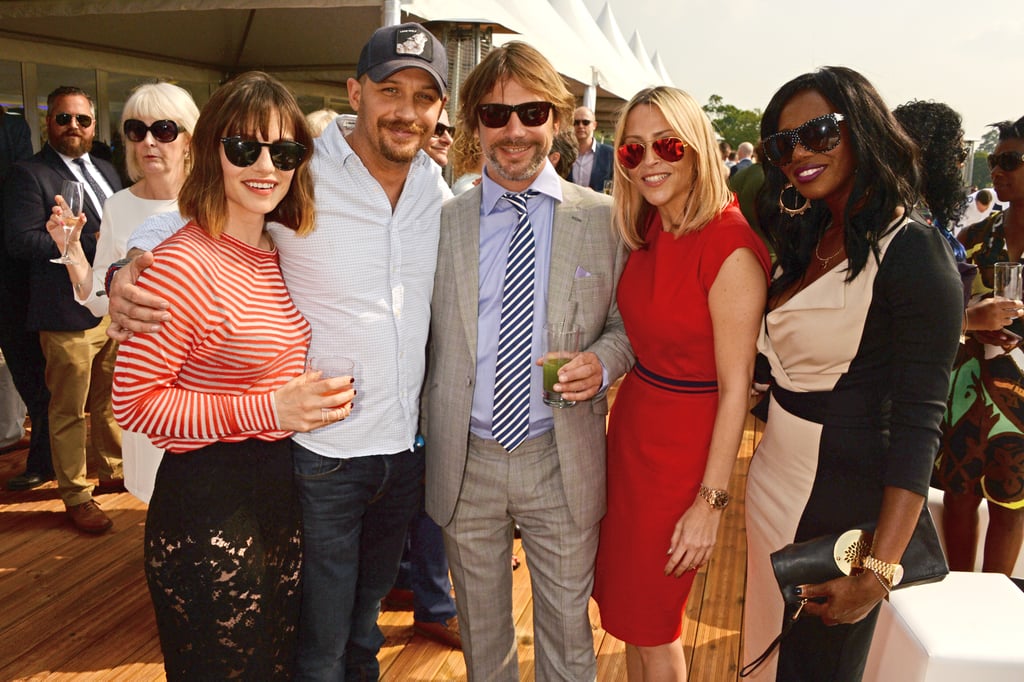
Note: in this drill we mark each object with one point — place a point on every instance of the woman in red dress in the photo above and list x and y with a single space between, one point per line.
691 296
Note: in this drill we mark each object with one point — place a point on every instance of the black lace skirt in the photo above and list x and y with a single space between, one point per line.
223 559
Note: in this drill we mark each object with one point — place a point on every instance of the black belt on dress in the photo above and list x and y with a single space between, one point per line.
849 408
674 385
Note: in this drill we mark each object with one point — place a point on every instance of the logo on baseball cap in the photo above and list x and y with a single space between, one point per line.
393 48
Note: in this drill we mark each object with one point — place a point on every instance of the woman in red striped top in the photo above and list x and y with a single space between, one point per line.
221 389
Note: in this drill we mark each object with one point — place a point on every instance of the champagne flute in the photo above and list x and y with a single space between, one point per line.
72 195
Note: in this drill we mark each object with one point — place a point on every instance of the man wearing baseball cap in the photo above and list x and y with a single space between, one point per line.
364 280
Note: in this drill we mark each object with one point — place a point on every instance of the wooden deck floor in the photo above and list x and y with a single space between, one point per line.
75 607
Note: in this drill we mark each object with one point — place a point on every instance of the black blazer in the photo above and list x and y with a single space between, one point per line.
28 199
602 169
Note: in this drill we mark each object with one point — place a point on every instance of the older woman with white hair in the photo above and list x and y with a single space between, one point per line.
157 123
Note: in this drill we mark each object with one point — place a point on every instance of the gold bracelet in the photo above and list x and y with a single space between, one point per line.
716 497
881 581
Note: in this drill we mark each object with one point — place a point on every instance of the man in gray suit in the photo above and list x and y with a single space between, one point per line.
550 478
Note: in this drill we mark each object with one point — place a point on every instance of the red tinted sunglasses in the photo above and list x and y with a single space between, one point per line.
670 149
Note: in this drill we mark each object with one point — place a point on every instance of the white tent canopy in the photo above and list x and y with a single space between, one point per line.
311 43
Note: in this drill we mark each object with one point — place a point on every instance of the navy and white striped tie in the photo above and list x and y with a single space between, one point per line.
511 418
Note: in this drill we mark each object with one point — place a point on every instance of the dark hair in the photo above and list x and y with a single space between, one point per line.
887 175
937 130
984 196
67 91
241 107
1010 130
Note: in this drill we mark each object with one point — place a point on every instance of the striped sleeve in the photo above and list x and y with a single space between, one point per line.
233 339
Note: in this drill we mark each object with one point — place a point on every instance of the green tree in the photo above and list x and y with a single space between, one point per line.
735 125
980 174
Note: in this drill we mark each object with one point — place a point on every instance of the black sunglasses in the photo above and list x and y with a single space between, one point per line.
1007 161
670 149
164 130
820 134
84 120
286 155
531 114
581 122
440 129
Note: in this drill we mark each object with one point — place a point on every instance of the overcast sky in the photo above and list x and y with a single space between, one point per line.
969 55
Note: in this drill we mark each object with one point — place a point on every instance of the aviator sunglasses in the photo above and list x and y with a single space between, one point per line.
286 155
670 149
1007 161
531 114
820 134
163 131
84 120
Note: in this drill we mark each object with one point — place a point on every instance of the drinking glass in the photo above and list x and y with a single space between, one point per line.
72 196
331 366
563 345
1006 281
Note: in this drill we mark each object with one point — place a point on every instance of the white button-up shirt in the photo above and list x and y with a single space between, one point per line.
364 279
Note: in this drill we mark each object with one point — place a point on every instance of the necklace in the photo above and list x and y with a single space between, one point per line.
826 260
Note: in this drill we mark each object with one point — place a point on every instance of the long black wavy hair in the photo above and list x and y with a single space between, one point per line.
937 130
887 175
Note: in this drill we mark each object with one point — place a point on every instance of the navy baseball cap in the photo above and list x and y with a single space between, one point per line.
404 46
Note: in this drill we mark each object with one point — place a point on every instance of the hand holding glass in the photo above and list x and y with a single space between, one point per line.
1006 281
563 345
72 203
330 367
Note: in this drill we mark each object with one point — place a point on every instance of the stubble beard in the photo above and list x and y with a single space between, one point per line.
395 153
529 171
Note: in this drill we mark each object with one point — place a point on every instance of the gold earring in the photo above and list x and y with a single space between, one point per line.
793 212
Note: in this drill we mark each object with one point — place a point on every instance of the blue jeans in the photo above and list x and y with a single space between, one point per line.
355 515
424 570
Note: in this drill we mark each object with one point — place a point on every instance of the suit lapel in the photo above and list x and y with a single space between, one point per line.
93 213
465 236
566 240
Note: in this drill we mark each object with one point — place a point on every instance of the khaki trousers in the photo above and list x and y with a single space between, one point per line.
79 372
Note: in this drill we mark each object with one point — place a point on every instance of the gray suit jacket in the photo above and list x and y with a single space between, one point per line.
581 238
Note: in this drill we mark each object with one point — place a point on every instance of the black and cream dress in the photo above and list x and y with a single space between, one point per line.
860 373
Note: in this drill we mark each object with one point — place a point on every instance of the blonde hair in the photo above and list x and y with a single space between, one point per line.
160 101
319 120
709 193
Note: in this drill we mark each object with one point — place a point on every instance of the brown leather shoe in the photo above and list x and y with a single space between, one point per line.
89 518
111 485
446 633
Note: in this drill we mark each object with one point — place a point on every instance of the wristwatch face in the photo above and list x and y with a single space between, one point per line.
897 575
718 499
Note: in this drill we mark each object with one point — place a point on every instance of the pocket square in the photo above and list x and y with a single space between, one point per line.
581 273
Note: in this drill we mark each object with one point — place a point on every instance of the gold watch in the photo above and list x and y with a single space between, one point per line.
716 497
891 573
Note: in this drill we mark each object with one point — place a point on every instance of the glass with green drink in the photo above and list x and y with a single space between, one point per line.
563 345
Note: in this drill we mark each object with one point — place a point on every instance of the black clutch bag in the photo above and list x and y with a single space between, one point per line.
833 556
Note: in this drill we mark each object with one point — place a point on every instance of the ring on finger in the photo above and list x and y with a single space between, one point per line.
323 414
